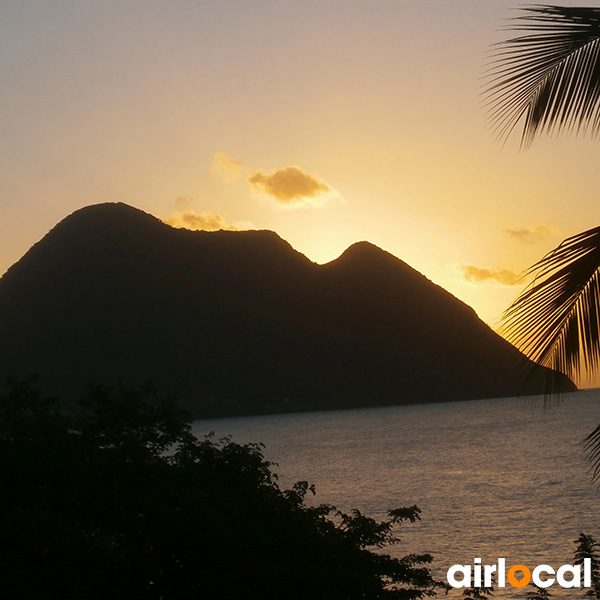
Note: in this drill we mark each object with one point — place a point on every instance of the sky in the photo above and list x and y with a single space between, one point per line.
329 122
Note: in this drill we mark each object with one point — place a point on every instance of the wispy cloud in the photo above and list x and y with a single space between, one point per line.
477 274
204 221
225 167
532 235
292 187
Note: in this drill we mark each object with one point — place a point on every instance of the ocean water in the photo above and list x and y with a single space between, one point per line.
493 478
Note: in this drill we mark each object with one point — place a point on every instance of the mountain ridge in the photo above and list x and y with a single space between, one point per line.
239 322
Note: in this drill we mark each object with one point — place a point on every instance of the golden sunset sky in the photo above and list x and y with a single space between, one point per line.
328 122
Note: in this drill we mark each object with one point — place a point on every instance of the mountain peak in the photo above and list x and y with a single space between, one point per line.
368 258
363 248
112 214
362 252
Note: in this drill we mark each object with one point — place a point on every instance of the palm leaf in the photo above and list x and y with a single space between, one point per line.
549 78
555 321
592 445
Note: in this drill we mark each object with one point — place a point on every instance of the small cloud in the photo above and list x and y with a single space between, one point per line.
503 276
532 235
205 221
225 167
292 187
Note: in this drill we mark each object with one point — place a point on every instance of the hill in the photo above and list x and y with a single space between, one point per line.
238 322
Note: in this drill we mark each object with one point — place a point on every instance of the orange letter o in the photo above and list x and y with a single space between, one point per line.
514 581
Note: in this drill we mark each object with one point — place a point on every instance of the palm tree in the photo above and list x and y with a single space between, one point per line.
547 81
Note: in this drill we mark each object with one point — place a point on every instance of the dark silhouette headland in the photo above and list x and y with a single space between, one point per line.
239 322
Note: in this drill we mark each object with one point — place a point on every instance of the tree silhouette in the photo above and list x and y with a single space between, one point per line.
478 593
538 593
117 499
587 547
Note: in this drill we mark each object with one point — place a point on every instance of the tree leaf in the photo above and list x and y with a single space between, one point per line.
548 78
555 320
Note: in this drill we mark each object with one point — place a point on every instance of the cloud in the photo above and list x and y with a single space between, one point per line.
225 167
205 221
532 235
503 276
292 187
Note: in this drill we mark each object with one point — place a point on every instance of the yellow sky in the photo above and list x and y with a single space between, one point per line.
328 122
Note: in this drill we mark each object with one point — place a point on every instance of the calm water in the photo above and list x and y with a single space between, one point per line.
492 477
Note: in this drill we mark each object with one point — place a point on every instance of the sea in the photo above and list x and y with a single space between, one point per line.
493 478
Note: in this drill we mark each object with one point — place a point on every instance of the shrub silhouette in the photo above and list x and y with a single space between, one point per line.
117 499
587 547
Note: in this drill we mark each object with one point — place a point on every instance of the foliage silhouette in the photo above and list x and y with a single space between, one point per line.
550 77
478 593
587 547
538 593
555 319
118 499
549 80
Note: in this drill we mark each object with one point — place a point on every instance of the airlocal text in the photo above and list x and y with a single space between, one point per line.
478 575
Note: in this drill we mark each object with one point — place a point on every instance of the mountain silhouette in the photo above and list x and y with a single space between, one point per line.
238 322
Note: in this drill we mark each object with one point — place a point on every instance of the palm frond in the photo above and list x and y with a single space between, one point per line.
555 321
592 445
549 78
